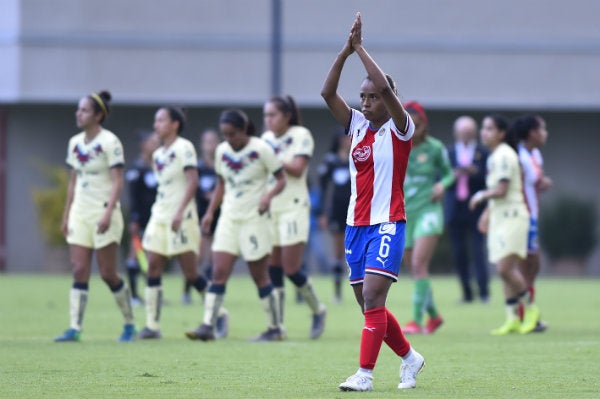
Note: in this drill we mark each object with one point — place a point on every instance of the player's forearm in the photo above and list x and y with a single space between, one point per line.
375 73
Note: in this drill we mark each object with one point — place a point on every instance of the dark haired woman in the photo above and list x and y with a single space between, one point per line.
243 164
506 220
173 229
428 175
530 131
92 219
290 210
375 227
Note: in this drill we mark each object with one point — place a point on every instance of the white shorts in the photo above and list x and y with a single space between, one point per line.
161 239
83 229
290 227
250 238
507 235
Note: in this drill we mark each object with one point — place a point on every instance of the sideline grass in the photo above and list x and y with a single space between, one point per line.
463 360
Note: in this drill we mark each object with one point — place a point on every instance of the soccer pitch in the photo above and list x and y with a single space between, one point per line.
463 359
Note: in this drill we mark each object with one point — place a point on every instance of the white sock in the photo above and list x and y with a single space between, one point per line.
365 372
272 309
279 292
77 303
308 293
123 298
212 307
153 305
409 357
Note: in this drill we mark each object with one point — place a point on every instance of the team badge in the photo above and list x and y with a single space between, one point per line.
422 157
361 154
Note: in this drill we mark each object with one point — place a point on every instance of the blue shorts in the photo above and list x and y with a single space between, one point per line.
533 242
375 249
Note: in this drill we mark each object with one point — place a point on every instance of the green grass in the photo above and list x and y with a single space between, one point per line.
463 359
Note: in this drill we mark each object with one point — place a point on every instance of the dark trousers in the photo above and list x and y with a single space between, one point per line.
464 234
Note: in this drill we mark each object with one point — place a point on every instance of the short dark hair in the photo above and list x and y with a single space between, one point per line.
177 114
238 119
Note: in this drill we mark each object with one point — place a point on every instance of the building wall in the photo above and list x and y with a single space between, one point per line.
467 53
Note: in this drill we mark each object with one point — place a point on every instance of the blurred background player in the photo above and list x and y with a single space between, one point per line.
531 133
92 220
243 164
173 229
468 159
427 177
506 221
142 193
207 181
334 179
290 210
375 232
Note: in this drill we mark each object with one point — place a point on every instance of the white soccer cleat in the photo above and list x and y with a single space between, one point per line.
409 371
357 382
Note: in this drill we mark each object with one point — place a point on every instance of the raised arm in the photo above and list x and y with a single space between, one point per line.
388 95
340 110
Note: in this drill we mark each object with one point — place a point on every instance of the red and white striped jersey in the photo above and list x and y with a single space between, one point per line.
378 161
532 164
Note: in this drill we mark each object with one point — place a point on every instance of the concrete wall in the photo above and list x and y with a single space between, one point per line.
467 53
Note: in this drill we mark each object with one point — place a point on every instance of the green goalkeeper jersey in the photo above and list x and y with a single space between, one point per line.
428 163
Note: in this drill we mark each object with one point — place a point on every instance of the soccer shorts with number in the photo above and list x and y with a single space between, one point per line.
290 227
376 249
249 238
428 221
160 238
83 229
507 233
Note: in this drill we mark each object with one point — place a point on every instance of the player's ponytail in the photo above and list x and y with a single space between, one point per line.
288 106
101 103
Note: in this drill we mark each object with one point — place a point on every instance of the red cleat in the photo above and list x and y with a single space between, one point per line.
412 328
433 324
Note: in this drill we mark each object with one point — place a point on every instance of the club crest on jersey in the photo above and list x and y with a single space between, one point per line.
84 156
160 164
361 154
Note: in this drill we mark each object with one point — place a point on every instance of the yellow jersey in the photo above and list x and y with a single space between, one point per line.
246 174
92 161
169 164
297 141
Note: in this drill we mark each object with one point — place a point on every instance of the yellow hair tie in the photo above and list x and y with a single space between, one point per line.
100 102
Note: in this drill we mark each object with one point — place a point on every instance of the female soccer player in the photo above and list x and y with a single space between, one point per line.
173 228
334 179
290 210
507 222
428 175
243 164
530 131
381 141
92 219
207 181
